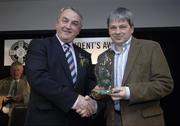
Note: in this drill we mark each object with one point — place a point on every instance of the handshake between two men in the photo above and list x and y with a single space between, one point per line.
85 106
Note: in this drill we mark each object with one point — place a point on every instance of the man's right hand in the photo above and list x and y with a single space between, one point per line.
85 106
7 99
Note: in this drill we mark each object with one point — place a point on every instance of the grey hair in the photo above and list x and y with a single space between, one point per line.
73 9
121 13
15 64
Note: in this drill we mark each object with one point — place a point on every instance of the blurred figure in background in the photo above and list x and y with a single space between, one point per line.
13 90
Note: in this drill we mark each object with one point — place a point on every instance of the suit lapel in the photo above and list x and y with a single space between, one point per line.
133 53
60 56
79 68
20 86
8 84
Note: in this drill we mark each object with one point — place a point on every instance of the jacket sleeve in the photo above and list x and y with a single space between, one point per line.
150 78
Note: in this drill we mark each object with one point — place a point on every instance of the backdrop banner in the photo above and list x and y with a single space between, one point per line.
16 49
95 45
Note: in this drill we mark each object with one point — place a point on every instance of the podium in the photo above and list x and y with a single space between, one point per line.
18 115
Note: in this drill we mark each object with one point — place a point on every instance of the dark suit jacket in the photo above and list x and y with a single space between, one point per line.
148 77
53 92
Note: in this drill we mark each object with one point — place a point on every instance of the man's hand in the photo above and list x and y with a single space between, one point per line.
86 106
18 98
96 92
7 99
118 93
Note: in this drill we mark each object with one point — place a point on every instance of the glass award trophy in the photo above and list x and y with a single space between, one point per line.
103 75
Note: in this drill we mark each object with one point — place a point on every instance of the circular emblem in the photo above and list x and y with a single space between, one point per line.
18 51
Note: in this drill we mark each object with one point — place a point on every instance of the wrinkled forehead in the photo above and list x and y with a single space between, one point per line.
119 22
71 15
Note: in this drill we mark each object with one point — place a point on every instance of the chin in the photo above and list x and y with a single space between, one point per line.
67 40
119 42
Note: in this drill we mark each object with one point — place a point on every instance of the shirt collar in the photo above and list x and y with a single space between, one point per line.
62 43
16 80
124 45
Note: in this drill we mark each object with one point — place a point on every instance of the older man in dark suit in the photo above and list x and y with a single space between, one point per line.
140 75
60 75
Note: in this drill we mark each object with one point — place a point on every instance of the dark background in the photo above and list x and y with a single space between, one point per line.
166 36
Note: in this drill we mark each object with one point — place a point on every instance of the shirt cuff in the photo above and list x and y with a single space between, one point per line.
127 94
74 105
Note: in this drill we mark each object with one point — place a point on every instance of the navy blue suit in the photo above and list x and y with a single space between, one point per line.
52 90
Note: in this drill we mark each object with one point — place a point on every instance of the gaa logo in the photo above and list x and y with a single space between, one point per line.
18 51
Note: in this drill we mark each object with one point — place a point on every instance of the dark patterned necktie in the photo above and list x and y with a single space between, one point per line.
70 61
14 89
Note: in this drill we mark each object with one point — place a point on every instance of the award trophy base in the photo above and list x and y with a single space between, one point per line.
100 94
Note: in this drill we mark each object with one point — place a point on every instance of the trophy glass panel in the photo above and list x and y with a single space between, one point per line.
103 75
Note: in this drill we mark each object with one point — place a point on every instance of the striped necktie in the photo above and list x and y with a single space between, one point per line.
70 61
